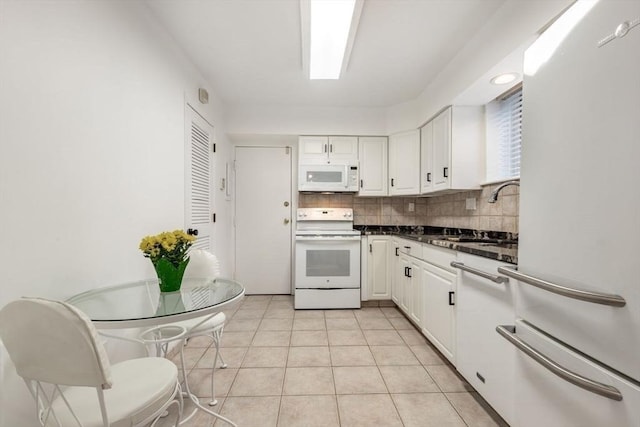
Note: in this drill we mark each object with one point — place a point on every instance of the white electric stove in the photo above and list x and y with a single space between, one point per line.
327 259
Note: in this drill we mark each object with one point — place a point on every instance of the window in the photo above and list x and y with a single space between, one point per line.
504 136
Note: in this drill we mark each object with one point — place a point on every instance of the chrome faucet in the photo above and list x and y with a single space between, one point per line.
494 195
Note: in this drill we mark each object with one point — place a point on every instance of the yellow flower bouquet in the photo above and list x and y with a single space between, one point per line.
168 254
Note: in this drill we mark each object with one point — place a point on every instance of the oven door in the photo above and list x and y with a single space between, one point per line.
327 262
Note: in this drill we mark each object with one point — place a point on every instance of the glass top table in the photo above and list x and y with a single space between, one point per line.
140 304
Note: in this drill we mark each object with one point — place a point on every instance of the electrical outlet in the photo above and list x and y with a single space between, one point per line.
412 207
471 204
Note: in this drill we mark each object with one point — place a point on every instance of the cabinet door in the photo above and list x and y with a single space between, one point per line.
405 283
378 267
396 271
313 149
442 150
343 149
372 154
439 314
404 163
426 158
417 293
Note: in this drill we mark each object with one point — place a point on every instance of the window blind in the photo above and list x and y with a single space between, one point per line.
504 137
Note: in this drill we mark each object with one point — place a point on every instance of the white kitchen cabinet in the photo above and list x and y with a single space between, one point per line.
378 267
412 287
372 154
483 357
396 277
404 282
415 289
452 150
328 149
404 163
439 309
426 161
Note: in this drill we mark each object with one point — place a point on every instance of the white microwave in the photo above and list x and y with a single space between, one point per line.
330 178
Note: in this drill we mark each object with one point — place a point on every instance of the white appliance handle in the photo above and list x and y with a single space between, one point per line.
579 294
492 277
508 332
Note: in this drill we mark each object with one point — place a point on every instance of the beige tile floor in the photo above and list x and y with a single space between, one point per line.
349 368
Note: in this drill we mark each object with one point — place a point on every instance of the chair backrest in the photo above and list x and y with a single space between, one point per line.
202 265
53 342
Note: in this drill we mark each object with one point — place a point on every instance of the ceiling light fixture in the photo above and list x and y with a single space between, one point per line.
328 31
503 79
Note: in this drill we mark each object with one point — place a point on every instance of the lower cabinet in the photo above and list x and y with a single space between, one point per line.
411 284
394 265
378 267
423 286
439 309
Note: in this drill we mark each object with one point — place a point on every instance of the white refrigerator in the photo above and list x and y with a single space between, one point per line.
577 328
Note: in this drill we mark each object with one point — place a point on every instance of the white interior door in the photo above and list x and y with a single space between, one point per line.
263 219
199 173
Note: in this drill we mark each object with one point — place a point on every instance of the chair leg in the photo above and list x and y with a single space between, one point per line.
184 370
216 342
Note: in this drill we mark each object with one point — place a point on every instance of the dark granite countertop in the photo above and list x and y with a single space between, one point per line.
493 245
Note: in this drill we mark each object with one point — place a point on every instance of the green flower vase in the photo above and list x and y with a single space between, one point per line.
170 276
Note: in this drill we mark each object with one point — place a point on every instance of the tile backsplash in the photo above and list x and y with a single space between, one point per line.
440 211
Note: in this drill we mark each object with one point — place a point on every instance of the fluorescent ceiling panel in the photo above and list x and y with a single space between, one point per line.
330 26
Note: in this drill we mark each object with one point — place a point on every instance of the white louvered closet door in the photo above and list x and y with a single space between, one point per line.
199 176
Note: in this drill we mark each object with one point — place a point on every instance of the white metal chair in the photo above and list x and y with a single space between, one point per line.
56 350
202 264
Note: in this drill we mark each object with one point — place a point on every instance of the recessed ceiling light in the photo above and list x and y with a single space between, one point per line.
503 79
328 31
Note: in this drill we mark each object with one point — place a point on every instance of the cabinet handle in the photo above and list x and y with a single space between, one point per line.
361 184
451 301
405 272
409 270
407 247
428 176
508 332
325 148
392 182
370 247
445 172
331 148
397 251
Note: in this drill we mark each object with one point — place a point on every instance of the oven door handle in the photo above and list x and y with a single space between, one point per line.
328 239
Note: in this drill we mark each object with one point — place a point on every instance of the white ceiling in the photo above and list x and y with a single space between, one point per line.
250 50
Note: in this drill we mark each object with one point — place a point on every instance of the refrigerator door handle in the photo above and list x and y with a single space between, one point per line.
508 332
492 277
579 294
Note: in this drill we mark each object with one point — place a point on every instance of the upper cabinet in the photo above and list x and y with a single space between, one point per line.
452 147
372 153
328 149
404 163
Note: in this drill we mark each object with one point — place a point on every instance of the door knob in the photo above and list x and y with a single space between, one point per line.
286 204
287 220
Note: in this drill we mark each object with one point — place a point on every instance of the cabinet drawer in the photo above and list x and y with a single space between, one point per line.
410 247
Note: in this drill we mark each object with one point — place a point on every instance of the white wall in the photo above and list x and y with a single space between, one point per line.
92 99
279 120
